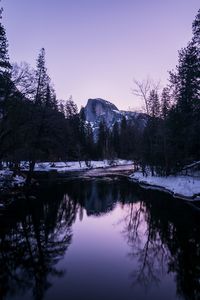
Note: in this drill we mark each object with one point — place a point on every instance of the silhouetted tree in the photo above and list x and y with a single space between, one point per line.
4 57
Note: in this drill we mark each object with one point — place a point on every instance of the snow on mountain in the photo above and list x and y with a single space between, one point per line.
98 110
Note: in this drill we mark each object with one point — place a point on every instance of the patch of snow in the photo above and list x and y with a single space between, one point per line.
117 111
77 166
18 180
186 186
5 172
7 179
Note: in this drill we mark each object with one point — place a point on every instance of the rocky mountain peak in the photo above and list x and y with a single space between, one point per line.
98 110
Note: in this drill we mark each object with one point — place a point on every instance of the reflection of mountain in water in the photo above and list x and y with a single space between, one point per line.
99 201
99 197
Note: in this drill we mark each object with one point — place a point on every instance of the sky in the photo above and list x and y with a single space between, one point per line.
95 48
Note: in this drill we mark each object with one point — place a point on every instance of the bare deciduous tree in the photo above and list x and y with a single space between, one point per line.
142 90
23 77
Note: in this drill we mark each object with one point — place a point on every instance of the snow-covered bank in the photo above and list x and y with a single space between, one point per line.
186 187
9 180
70 166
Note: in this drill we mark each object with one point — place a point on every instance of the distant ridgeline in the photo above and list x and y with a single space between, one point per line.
99 110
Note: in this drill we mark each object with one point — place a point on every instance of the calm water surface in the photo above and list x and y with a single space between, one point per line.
100 240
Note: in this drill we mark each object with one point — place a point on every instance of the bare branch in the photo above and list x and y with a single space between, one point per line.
142 89
23 78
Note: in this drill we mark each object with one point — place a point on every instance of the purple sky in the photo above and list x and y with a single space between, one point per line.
94 48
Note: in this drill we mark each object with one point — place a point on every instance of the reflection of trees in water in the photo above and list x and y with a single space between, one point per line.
146 245
147 249
164 237
31 249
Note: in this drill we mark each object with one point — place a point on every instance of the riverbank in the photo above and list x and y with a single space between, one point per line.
47 173
184 187
62 170
73 166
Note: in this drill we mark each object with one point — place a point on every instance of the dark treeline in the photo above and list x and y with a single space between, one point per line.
172 135
36 126
171 138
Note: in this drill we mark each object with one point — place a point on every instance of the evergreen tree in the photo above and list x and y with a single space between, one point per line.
115 139
123 137
102 142
196 108
70 108
196 29
154 105
42 79
165 102
6 85
51 101
4 57
89 142
186 81
152 147
45 124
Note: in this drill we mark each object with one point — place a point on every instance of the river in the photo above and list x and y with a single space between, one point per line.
100 239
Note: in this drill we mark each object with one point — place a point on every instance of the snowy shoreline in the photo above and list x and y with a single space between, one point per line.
182 187
9 180
73 166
